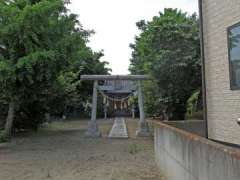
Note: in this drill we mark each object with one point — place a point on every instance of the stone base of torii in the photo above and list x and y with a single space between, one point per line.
93 130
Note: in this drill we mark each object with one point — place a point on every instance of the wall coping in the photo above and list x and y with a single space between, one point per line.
182 121
234 152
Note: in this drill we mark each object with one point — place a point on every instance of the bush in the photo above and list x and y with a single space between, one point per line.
3 137
192 103
194 106
29 115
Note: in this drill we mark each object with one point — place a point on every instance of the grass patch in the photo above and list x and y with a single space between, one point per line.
105 129
135 148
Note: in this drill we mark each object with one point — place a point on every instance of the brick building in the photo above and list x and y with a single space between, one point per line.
221 45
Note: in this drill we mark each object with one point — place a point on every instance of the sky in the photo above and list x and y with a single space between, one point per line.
114 23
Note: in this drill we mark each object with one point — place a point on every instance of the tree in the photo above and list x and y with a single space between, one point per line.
74 93
40 42
168 48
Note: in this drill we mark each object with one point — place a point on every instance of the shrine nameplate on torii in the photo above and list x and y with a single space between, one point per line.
117 84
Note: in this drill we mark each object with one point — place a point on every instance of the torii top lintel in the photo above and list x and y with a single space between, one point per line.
115 77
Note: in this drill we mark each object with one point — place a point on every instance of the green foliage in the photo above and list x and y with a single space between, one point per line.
43 52
194 106
75 93
152 97
3 137
192 103
168 49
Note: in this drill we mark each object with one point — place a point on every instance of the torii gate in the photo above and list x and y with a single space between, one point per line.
93 131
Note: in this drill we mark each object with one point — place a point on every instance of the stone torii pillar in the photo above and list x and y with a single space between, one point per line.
105 111
93 130
133 111
143 129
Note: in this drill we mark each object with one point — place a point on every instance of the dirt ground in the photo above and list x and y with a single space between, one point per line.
60 152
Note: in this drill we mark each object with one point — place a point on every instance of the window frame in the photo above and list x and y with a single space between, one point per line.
232 87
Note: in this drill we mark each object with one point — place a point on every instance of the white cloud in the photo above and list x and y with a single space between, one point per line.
114 24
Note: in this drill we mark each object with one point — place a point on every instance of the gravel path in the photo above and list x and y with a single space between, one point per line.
61 152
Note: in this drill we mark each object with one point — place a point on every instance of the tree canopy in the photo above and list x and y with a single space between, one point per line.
43 51
168 48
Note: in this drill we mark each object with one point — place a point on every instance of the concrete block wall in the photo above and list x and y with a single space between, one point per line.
223 103
184 156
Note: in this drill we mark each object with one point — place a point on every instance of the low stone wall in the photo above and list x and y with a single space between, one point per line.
181 155
193 126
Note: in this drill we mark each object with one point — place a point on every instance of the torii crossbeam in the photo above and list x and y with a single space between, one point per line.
93 130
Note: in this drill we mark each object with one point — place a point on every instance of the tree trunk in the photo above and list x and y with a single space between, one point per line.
10 118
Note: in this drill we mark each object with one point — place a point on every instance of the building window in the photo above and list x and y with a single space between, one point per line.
234 55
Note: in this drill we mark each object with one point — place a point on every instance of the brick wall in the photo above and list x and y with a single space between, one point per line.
223 103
